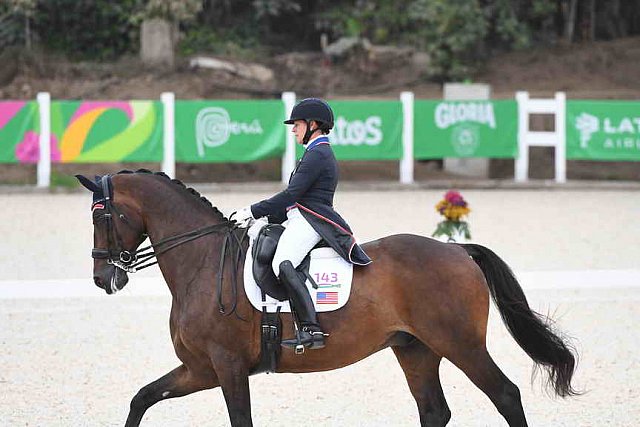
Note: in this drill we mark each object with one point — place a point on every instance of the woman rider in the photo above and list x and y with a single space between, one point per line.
307 205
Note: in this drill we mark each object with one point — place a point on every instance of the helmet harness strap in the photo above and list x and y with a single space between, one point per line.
308 132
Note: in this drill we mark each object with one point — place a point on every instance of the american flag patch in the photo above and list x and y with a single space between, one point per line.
327 298
97 206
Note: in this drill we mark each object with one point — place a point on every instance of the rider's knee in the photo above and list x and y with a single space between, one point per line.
286 265
281 265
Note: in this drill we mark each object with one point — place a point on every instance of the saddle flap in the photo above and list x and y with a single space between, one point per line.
264 248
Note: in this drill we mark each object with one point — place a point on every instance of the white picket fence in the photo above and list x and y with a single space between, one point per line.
526 138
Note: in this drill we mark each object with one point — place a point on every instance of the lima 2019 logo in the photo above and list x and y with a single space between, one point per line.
214 127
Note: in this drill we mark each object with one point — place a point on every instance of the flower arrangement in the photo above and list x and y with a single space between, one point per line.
453 207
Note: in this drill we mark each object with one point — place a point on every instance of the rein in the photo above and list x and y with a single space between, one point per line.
136 260
234 269
132 261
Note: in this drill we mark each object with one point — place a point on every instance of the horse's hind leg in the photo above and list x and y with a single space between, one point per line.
176 383
420 366
478 365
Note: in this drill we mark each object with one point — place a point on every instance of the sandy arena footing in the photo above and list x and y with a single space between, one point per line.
72 359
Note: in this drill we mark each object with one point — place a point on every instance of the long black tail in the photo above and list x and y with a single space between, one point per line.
533 332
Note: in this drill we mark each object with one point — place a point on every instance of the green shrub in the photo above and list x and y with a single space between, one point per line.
83 29
201 39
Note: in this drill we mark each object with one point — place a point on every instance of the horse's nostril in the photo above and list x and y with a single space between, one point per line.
97 281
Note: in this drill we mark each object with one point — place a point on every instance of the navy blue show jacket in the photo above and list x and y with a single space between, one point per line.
311 188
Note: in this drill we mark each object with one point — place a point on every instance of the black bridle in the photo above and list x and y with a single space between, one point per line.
135 260
119 257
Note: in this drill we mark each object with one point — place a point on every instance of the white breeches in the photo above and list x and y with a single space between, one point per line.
296 241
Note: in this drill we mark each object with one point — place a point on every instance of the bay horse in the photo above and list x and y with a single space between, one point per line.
423 298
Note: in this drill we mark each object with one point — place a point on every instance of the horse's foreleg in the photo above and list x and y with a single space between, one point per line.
420 366
233 375
176 383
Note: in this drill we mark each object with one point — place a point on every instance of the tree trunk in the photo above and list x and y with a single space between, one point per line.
27 31
592 20
570 20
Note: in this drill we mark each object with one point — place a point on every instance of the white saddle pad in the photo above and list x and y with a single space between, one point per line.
332 274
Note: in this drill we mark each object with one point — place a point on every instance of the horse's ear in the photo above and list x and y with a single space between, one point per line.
88 184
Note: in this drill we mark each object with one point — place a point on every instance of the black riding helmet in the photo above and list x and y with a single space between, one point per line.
312 109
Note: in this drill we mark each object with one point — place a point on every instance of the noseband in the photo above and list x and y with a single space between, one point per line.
134 260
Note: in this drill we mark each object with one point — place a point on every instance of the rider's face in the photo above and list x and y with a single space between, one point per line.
299 129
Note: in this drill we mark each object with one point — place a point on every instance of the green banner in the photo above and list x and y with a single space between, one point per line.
19 132
603 130
366 130
229 131
465 129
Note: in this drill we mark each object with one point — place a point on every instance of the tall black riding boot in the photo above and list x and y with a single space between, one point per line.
310 334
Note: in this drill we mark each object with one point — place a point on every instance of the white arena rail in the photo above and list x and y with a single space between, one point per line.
526 138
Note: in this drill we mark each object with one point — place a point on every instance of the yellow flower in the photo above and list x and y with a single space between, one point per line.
452 212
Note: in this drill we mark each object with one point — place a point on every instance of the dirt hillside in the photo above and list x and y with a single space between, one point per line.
594 70
600 70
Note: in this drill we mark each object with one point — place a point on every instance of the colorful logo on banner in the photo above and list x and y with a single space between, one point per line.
465 129
20 133
28 150
603 130
108 131
86 132
8 110
214 127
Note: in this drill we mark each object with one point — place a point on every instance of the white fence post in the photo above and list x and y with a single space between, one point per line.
289 156
522 161
561 134
406 162
169 139
44 161
528 138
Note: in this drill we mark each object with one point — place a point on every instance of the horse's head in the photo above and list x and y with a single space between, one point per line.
118 230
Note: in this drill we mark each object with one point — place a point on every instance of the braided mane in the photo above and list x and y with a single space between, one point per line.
179 183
